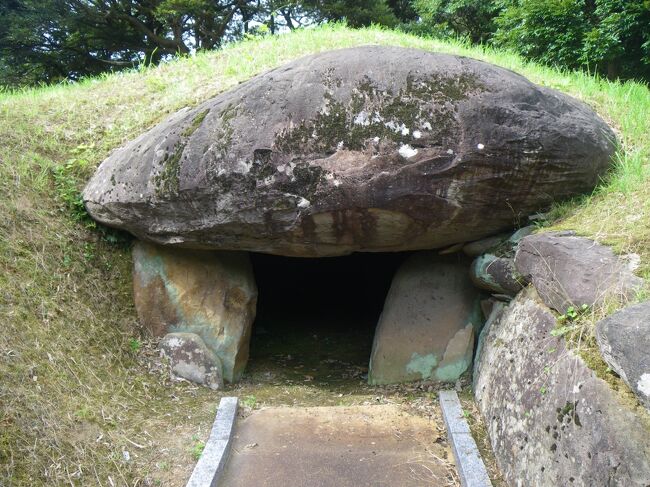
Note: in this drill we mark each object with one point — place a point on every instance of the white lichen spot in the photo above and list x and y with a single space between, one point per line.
427 126
281 168
643 384
303 203
337 183
480 147
174 342
417 134
339 146
242 167
329 176
450 151
361 119
407 151
397 128
375 140
392 125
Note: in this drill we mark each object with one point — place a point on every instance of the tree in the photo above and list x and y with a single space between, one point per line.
49 40
46 40
357 13
404 10
618 40
473 19
609 36
550 31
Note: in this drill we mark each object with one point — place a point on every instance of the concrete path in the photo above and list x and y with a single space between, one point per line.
360 446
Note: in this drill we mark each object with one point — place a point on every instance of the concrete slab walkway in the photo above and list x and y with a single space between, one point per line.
360 446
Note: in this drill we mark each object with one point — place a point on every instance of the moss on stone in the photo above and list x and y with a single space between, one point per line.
226 130
384 114
198 120
168 180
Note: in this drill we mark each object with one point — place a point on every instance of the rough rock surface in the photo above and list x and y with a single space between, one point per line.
362 149
496 274
191 359
624 340
551 421
572 271
211 294
426 330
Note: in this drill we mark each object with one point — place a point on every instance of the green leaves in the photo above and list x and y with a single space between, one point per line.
609 36
569 320
562 330
473 19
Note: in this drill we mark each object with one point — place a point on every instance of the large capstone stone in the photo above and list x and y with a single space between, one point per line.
427 327
624 341
362 149
550 419
211 294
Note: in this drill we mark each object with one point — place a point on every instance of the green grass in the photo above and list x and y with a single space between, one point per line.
76 389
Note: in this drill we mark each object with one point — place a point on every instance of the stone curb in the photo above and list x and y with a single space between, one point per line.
470 466
210 466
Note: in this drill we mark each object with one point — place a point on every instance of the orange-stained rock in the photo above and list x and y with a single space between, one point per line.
212 294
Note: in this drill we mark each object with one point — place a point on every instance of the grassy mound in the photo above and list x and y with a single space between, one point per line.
78 402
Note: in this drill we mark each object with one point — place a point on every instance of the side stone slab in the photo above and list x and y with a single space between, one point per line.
427 327
211 294
551 421
572 271
624 340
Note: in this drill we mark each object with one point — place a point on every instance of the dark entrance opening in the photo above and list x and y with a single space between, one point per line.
316 318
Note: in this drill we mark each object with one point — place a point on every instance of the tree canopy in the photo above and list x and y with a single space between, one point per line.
607 36
44 41
49 40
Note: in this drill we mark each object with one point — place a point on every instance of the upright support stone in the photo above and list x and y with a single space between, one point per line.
427 327
211 294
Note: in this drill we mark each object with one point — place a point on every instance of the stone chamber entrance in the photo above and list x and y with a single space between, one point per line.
384 318
316 318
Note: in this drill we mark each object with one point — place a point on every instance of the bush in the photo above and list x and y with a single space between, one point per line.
472 19
611 37
607 36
